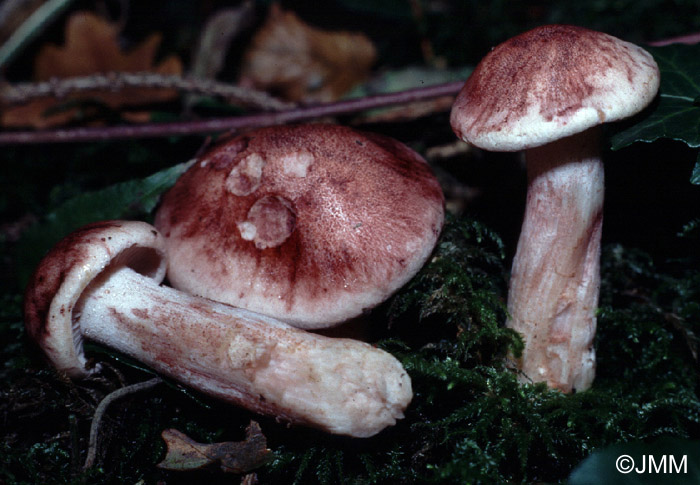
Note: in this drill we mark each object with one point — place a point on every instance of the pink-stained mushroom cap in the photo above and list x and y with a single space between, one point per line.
311 224
549 83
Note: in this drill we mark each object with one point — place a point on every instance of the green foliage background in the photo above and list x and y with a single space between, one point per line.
470 421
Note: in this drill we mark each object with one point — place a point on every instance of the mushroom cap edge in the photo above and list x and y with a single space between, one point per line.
66 271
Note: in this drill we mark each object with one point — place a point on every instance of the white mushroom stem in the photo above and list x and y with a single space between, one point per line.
555 278
339 385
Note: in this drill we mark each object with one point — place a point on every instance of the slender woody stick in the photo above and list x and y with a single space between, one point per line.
71 135
23 92
102 408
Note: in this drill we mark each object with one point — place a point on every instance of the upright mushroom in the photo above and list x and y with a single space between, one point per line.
311 224
103 283
547 91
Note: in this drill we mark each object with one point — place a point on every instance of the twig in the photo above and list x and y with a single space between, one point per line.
32 27
689 39
100 411
115 81
228 124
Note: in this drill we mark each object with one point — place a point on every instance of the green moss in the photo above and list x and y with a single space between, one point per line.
470 420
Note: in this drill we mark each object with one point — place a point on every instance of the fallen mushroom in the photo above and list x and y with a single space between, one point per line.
310 224
547 91
102 283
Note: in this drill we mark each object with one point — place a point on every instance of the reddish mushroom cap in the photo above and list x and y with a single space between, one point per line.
54 290
551 82
310 224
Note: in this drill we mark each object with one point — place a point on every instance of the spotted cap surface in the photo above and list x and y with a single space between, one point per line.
311 224
551 82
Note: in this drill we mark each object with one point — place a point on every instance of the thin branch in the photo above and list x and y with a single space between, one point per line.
689 39
100 411
24 92
305 113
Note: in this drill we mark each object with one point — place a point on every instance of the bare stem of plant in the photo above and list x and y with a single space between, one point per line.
230 124
21 93
102 408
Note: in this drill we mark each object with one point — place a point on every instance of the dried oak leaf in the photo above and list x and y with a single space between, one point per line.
236 457
297 62
91 47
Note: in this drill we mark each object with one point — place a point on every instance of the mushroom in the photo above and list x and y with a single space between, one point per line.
310 224
102 283
547 92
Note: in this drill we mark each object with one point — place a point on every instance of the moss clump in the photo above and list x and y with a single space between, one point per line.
470 420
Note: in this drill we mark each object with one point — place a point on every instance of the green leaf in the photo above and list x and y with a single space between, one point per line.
641 463
132 199
695 177
675 114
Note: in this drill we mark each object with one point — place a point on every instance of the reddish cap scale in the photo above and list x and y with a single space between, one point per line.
311 224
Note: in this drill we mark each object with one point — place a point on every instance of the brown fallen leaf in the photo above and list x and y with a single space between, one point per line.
91 46
250 479
235 457
216 36
297 62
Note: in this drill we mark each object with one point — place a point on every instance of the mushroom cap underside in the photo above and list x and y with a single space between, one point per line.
55 288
